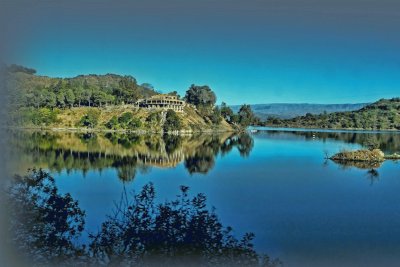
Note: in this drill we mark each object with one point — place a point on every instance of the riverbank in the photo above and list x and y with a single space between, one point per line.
120 119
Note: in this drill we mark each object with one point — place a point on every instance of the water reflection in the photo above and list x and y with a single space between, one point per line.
127 153
45 226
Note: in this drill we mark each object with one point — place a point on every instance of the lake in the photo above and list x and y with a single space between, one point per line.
276 183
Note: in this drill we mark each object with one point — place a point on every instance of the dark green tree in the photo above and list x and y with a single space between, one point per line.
200 95
69 97
172 121
226 112
246 116
91 119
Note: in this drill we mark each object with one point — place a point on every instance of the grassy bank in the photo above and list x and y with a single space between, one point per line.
122 118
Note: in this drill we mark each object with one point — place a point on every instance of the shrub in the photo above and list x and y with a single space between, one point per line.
125 118
91 119
43 116
172 122
112 123
135 123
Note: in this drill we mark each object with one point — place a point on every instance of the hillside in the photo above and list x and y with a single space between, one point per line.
26 89
103 102
142 120
381 115
288 110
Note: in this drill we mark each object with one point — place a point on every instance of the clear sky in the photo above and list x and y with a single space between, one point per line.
250 51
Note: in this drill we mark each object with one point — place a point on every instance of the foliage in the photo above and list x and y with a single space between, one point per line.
44 223
91 119
200 95
227 113
83 90
246 116
125 118
112 123
45 226
216 116
177 233
125 121
42 116
172 121
135 123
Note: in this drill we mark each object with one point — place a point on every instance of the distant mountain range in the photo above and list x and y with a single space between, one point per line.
287 111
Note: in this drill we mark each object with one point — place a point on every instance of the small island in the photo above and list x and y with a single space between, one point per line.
363 158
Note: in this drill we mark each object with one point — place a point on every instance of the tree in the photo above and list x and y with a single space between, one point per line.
226 112
112 123
79 95
70 97
125 118
51 100
200 96
246 116
127 92
44 223
60 99
87 92
99 98
91 119
215 116
172 121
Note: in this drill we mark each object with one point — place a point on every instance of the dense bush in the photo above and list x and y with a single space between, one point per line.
44 226
112 123
172 122
91 119
125 119
42 116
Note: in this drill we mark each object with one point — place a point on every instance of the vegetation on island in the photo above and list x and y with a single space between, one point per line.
381 115
105 102
46 226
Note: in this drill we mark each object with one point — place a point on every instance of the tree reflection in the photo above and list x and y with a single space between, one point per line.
203 159
127 152
183 232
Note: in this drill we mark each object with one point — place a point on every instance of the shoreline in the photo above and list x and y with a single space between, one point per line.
124 131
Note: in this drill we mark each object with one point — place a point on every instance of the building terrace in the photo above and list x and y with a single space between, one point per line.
164 102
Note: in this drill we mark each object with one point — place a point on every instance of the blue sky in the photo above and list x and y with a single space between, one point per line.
252 51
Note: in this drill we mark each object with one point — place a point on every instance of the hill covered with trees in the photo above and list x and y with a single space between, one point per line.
381 115
29 90
105 102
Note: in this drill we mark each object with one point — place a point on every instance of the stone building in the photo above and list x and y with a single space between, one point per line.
164 102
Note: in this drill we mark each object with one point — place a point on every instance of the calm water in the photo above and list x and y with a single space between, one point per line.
303 209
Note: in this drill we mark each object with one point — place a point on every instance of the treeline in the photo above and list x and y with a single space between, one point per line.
381 115
40 99
88 90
